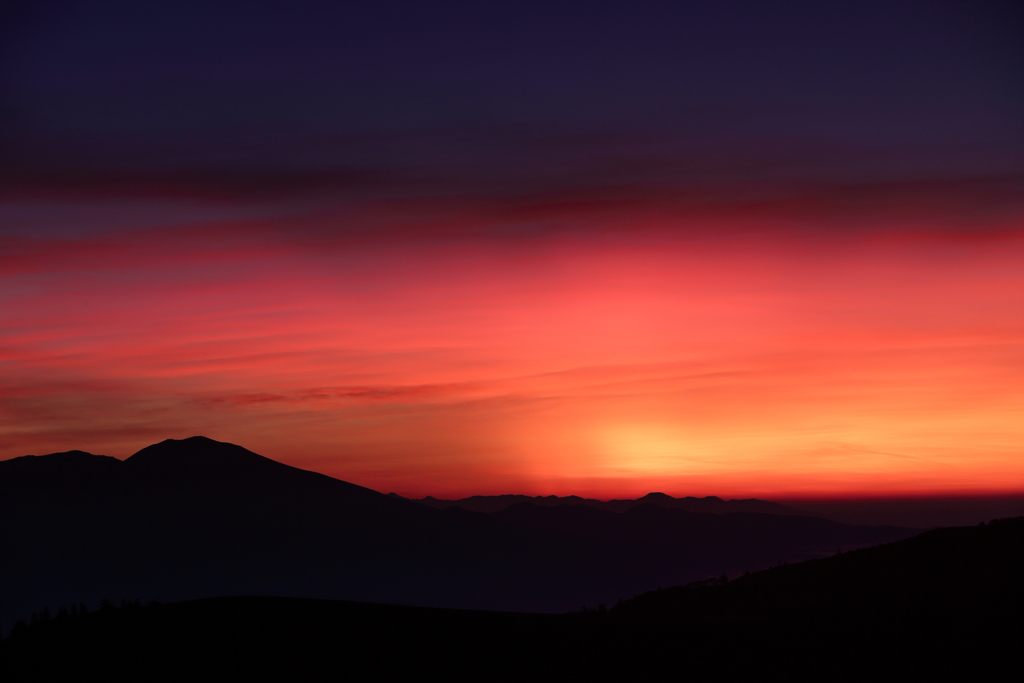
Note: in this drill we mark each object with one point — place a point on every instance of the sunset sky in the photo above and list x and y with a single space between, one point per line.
741 249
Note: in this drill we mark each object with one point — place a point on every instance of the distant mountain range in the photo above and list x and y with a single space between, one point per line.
198 518
712 504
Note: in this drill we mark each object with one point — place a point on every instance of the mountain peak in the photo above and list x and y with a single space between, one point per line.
200 462
66 455
56 469
656 495
199 454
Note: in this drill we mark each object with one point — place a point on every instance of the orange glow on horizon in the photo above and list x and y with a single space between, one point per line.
741 362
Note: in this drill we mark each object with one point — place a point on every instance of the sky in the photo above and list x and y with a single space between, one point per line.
734 248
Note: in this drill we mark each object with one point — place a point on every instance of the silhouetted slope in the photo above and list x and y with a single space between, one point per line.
55 470
198 518
943 605
200 463
712 504
957 570
200 466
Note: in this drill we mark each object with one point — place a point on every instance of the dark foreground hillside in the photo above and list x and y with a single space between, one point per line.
945 604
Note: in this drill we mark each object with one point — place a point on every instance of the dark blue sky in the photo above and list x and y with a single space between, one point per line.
427 95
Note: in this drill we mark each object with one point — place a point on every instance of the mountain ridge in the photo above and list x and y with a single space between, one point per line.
712 504
160 526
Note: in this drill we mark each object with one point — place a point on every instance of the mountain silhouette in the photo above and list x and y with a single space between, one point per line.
944 605
197 518
707 504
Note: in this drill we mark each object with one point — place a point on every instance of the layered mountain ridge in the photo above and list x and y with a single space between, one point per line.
712 504
197 518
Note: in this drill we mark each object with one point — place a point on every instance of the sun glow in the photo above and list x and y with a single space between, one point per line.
637 449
